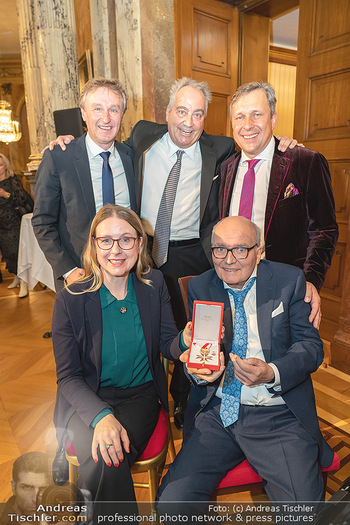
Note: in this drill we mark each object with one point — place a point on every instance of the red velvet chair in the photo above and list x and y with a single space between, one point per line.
243 474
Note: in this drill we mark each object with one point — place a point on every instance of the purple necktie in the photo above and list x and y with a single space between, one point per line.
247 195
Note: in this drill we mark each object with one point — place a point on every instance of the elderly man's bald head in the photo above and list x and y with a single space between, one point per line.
236 232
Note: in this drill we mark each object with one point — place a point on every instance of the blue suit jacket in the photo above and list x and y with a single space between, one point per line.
77 344
288 340
65 204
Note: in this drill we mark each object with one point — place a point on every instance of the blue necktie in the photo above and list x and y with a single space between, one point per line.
231 389
107 180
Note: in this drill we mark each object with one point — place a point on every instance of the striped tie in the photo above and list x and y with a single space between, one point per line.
165 212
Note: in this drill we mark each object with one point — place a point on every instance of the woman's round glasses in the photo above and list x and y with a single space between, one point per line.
238 252
107 243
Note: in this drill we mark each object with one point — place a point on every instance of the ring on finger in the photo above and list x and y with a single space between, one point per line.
109 445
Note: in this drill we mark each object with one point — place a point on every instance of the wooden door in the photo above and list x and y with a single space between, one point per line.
322 121
206 48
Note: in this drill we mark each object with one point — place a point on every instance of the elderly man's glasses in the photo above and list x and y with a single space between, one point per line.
107 243
238 252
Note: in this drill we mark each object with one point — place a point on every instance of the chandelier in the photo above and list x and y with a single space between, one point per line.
9 129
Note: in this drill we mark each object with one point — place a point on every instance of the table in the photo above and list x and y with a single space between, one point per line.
32 265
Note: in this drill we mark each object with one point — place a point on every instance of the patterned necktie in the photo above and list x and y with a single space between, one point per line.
247 195
165 212
107 180
231 389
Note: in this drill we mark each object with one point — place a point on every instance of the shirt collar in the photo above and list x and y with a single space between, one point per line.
253 274
171 148
266 154
107 298
94 149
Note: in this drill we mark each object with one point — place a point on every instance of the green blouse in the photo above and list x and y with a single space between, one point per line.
124 353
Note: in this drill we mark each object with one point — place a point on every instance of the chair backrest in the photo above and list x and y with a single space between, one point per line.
183 281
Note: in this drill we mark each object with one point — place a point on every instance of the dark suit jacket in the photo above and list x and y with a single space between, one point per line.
288 340
214 150
65 205
77 344
300 230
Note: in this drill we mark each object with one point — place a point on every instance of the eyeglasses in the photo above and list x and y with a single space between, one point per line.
107 243
238 252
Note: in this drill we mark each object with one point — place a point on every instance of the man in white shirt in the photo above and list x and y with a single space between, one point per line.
69 184
195 209
291 196
259 405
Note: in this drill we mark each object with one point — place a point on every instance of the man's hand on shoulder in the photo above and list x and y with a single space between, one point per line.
74 275
287 142
61 140
252 371
314 299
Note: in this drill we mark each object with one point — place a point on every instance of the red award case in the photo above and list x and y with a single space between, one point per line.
206 335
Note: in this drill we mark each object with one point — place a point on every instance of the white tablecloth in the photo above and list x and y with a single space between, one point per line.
32 265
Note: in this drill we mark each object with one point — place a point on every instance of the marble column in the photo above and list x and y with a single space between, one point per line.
104 43
145 46
50 66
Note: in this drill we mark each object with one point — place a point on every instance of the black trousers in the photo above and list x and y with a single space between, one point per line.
137 410
182 261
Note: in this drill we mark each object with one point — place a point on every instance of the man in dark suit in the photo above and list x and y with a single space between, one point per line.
292 196
69 188
195 209
275 425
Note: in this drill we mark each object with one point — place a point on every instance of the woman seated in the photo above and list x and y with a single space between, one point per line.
109 329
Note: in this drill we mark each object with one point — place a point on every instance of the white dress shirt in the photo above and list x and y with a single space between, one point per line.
121 189
159 160
262 180
257 395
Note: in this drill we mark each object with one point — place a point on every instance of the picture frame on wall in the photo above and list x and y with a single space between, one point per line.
85 68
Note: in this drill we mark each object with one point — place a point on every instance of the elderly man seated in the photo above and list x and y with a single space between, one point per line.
260 405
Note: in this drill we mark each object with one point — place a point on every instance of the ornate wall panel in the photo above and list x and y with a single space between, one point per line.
322 122
206 48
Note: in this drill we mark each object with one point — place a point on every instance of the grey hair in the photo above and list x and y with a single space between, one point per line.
185 81
252 86
110 83
257 232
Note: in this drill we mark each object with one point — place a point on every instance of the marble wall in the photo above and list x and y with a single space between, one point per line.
50 65
104 41
145 49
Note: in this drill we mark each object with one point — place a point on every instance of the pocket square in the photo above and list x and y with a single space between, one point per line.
279 310
291 191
